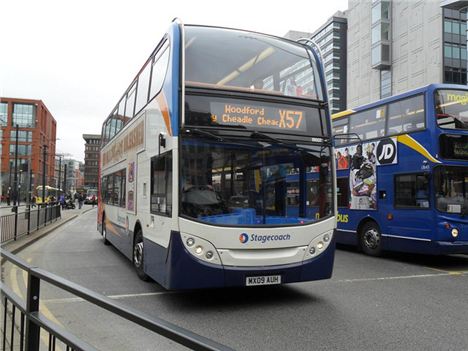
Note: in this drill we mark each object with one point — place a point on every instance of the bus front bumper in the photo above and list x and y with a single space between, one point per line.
181 270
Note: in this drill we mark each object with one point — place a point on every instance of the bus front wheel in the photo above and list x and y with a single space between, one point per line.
371 239
138 256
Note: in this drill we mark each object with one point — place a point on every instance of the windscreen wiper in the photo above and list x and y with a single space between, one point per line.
266 137
204 132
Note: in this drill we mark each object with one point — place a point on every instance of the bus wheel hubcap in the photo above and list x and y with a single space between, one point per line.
372 239
138 254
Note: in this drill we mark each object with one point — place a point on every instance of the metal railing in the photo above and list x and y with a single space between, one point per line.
15 225
23 321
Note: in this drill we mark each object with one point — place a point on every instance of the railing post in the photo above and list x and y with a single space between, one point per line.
45 215
16 221
33 331
38 214
29 217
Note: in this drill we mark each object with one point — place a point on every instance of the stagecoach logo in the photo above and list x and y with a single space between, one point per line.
244 238
386 151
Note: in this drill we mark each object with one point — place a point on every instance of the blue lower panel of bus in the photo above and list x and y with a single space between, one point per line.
410 245
175 268
248 216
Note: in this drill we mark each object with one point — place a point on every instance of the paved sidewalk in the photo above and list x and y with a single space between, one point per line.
26 240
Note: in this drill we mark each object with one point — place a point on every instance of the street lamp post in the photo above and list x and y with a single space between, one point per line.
44 155
65 179
15 179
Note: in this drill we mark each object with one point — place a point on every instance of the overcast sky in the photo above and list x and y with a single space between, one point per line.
79 57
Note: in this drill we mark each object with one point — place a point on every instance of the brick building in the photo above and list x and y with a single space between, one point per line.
91 160
37 130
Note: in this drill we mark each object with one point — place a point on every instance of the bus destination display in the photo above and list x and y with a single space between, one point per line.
258 116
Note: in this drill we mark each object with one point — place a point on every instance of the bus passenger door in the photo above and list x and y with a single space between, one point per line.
161 222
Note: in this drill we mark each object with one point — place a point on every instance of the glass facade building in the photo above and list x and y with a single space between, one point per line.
332 40
455 54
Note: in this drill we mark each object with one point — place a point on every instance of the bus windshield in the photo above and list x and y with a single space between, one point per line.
254 183
451 186
452 109
232 59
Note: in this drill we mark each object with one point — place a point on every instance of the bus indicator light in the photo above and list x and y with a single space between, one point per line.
389 216
190 242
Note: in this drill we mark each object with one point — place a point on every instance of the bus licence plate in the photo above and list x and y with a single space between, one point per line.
263 280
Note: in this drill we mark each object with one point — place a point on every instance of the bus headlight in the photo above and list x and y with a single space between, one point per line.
201 249
318 245
454 232
190 242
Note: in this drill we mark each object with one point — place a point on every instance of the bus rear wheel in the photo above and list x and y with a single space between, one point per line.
138 256
371 239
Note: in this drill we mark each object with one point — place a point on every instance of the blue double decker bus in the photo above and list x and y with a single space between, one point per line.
403 183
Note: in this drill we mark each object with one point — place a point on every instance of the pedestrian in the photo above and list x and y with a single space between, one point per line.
80 200
33 201
8 199
62 201
93 200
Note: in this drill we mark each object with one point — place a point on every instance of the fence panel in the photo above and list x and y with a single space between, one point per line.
8 227
26 315
26 220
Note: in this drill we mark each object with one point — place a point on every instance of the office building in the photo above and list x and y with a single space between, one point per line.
91 160
331 38
396 46
36 133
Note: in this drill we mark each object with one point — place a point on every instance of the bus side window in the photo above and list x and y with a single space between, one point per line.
342 192
161 184
412 190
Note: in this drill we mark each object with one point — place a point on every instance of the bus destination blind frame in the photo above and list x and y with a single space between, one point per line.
262 116
254 116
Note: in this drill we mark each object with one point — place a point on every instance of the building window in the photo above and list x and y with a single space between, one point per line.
3 114
23 150
385 84
24 115
23 136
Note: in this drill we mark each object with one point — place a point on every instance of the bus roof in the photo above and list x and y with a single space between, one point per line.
420 90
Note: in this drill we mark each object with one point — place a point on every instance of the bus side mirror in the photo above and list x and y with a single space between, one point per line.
162 140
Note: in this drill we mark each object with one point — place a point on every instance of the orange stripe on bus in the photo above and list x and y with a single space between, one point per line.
165 111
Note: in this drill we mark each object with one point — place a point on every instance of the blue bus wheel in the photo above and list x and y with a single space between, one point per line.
371 239
138 256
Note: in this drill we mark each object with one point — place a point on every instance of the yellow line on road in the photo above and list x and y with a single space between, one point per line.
44 311
447 271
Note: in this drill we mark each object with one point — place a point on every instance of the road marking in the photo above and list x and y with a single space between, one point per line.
114 297
448 271
45 312
446 274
